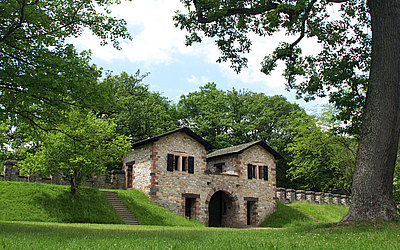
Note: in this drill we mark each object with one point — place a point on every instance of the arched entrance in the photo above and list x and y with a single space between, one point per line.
221 210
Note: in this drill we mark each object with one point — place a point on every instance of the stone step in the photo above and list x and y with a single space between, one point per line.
120 208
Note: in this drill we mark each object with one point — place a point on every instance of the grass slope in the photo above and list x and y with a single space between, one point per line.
21 201
34 235
285 217
323 212
148 213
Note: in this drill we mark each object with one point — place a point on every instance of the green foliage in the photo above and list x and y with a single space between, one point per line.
21 201
28 235
148 213
228 118
80 147
138 112
287 217
321 158
324 213
339 71
40 74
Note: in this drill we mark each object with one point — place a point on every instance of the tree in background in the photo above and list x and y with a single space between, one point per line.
351 65
83 146
40 74
321 158
229 118
138 112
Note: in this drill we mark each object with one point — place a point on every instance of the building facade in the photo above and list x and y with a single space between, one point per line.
231 187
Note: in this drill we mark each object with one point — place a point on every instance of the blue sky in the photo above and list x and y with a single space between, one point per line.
158 47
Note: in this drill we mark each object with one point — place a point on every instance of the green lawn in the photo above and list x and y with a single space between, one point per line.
323 212
285 217
21 201
39 235
148 213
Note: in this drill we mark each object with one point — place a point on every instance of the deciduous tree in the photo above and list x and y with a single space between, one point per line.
351 65
81 147
138 112
40 73
323 159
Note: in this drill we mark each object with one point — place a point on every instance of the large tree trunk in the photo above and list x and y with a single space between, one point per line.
372 190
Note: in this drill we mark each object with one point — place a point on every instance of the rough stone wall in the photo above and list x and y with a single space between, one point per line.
290 195
232 165
264 190
141 168
12 173
168 188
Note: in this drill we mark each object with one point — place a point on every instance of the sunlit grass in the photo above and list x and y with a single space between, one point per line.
36 235
21 201
323 212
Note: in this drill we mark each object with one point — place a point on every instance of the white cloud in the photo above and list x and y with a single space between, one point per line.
157 42
198 80
155 38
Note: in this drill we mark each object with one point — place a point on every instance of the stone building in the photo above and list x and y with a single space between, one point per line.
231 187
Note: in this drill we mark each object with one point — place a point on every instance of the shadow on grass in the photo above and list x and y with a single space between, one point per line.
86 206
285 217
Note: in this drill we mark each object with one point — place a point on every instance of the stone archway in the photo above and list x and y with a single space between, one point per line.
222 210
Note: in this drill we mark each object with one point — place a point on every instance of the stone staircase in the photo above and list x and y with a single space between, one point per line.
121 209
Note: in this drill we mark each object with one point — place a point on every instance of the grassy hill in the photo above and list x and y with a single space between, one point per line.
21 201
148 213
289 215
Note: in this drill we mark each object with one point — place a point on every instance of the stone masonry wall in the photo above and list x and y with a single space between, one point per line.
169 186
260 188
141 167
11 173
291 195
168 189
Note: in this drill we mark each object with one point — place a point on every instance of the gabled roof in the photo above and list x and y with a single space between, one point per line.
240 148
185 130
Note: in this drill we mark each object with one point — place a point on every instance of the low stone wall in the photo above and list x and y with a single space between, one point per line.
290 195
116 181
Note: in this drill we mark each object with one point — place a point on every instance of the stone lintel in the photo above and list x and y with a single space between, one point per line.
190 195
251 199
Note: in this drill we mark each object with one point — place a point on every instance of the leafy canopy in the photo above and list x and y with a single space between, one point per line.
82 147
40 73
339 70
138 112
322 159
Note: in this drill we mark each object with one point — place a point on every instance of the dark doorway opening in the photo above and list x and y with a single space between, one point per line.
220 210
251 211
129 174
190 207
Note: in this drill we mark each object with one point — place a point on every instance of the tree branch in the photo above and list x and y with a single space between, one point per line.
234 11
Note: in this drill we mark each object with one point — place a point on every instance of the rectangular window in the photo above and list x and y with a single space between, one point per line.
219 167
180 162
257 172
266 173
250 171
184 163
260 172
176 161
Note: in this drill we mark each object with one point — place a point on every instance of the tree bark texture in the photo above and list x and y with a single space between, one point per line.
372 190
